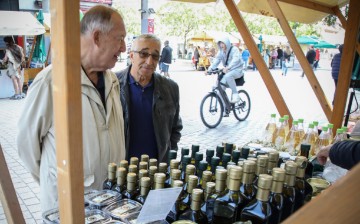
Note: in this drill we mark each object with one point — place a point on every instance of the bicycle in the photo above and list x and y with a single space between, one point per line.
216 103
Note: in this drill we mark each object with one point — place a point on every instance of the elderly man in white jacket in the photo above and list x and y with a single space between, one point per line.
102 40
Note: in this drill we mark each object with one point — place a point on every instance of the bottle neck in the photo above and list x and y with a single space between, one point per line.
289 180
159 185
220 185
277 186
144 191
234 184
131 186
247 178
262 194
195 205
121 181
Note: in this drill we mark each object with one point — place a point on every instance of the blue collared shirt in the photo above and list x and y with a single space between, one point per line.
142 134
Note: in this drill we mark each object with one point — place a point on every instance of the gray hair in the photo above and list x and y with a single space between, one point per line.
98 18
147 36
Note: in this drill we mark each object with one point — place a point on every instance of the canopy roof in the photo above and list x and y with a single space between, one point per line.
19 23
306 40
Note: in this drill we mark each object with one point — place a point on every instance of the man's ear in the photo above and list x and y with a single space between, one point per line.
131 55
96 37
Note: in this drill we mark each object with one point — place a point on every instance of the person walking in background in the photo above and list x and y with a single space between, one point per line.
245 57
310 56
102 33
196 57
14 55
317 58
150 102
286 60
280 55
165 59
274 55
335 67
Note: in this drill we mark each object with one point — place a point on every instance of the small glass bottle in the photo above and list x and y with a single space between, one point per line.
111 180
194 213
144 190
259 209
247 188
120 186
184 152
172 155
273 161
228 205
130 192
194 150
209 154
186 201
143 165
302 187
220 185
175 175
235 156
289 189
220 151
214 163
276 197
174 165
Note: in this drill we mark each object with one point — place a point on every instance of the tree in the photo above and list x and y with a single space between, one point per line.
331 20
132 19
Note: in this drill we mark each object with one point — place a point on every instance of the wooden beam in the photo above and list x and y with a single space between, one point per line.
347 63
337 204
358 48
260 64
310 5
8 196
67 109
302 59
340 16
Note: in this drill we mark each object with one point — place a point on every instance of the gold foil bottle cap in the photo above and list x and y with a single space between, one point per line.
143 165
252 159
236 172
121 172
131 177
262 160
143 173
301 161
278 174
153 170
190 169
274 156
175 173
162 167
133 169
241 163
134 161
249 166
112 167
178 183
291 167
160 177
265 181
206 175
145 182
152 162
174 164
210 187
221 174
124 163
144 158
197 194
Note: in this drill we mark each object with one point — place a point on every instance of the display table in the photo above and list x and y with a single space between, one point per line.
6 85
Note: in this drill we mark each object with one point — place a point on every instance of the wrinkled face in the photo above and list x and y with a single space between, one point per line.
111 44
144 57
223 46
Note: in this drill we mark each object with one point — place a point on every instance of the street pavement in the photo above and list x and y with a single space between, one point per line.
194 85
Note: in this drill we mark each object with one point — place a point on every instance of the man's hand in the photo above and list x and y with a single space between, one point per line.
323 154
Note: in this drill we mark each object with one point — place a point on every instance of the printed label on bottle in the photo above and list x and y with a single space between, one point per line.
103 197
122 209
94 218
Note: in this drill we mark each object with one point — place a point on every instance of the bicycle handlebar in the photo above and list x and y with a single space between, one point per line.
215 71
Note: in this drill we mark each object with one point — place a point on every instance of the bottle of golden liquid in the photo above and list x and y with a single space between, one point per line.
323 140
339 136
301 127
279 135
292 143
270 128
310 138
330 131
286 124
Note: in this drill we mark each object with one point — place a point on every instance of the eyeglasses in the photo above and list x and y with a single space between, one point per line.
144 54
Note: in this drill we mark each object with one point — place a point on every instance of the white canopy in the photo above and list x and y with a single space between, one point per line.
19 23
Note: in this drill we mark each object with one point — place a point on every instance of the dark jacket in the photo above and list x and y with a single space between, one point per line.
310 56
166 107
335 66
345 154
280 53
166 55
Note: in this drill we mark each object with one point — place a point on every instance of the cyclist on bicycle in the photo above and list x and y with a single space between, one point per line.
233 65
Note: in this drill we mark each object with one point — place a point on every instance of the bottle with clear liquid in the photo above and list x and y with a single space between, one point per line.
301 127
339 136
330 130
302 187
279 135
258 211
289 189
310 138
194 213
111 180
323 140
228 205
276 196
286 125
269 129
292 143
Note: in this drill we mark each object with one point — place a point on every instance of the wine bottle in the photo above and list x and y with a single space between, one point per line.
258 211
247 188
185 161
228 205
289 189
174 164
276 197
209 190
229 147
175 175
273 161
190 170
120 186
175 210
145 187
186 201
302 188
172 155
198 157
133 169
209 154
194 150
206 177
245 152
162 168
199 171
225 159
235 156
184 152
111 180
261 167
214 163
130 192
220 151
142 173
220 185
194 213
143 165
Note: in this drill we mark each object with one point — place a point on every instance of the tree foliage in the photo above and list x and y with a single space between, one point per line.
331 20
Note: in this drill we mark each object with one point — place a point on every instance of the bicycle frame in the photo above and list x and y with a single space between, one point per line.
218 90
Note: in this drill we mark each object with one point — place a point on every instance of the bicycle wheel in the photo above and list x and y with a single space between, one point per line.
211 110
242 108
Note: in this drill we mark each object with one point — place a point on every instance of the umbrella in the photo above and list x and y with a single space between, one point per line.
39 54
324 44
306 40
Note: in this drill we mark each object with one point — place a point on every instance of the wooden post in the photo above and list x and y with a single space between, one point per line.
8 196
347 62
260 64
340 16
67 109
302 59
358 48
